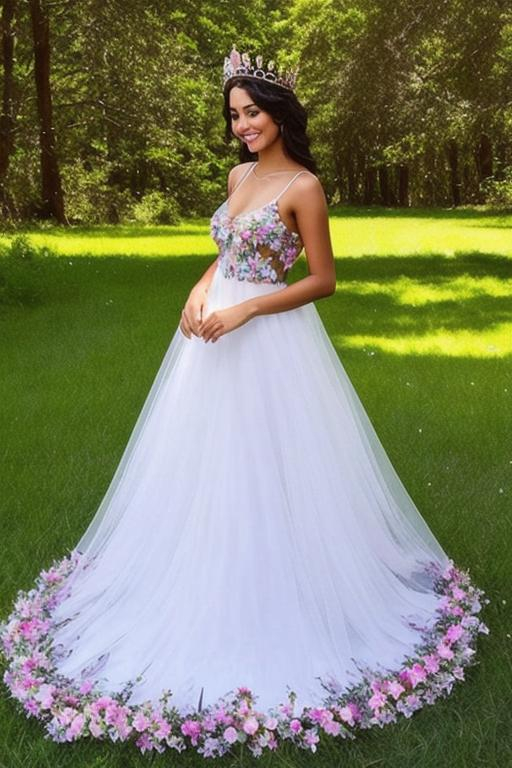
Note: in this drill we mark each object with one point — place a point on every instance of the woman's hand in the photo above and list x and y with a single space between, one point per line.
222 321
192 313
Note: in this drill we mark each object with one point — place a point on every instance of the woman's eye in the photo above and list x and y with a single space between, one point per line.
253 114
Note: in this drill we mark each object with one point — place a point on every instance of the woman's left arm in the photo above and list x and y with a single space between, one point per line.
309 205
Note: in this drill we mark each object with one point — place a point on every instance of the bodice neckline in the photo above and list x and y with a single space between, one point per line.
244 214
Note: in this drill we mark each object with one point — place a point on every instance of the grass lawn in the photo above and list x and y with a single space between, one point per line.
422 320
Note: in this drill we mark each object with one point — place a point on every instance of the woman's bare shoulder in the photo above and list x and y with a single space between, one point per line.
236 174
308 187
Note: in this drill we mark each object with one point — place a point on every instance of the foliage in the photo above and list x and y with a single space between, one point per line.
20 269
409 103
90 198
498 192
156 208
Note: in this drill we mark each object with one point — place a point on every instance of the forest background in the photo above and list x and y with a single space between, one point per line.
112 111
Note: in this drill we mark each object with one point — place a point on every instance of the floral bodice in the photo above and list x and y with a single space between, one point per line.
255 245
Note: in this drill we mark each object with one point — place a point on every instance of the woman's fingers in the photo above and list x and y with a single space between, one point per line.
185 325
213 332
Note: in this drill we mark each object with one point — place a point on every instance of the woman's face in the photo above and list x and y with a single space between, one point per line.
249 123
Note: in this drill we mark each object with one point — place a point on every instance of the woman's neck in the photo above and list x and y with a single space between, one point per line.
273 158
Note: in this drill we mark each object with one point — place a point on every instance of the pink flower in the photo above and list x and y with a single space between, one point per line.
311 738
103 702
191 728
45 695
75 728
86 686
295 726
405 677
332 727
417 674
454 632
271 723
431 663
140 722
251 725
377 700
144 742
320 715
444 651
66 716
395 689
346 715
356 712
231 735
458 593
95 728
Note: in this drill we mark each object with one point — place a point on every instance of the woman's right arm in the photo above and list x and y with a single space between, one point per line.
192 313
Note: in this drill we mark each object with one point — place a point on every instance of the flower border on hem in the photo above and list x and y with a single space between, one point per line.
71 709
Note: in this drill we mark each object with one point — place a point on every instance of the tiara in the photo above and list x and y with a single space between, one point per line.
236 65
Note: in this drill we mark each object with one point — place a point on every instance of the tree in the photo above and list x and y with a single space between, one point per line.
6 116
52 197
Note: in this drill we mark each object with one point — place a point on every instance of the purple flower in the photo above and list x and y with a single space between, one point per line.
230 734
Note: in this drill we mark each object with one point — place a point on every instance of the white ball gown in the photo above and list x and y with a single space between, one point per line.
256 560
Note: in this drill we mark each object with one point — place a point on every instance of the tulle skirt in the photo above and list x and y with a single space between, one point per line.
255 532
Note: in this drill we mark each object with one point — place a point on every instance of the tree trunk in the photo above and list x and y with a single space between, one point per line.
53 201
483 160
501 160
338 164
403 185
6 116
484 157
351 178
370 181
452 153
384 185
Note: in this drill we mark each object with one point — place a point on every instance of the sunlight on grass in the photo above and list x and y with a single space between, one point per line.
360 236
417 293
154 242
494 342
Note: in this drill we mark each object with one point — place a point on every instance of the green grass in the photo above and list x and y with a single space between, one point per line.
422 320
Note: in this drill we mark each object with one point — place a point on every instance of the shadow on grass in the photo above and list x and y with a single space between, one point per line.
465 293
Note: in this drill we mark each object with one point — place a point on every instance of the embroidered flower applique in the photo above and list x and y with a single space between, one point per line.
255 246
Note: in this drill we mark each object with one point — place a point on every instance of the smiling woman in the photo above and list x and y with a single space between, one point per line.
256 571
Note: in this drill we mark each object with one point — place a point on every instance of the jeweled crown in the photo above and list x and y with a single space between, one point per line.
236 65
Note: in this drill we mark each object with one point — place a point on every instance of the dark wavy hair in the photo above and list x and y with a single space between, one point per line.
285 109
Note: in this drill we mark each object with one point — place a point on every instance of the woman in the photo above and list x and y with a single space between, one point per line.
256 571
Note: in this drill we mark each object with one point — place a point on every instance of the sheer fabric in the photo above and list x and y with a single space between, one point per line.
255 532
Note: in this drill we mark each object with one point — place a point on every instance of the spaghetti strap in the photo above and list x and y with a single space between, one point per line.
288 185
242 179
